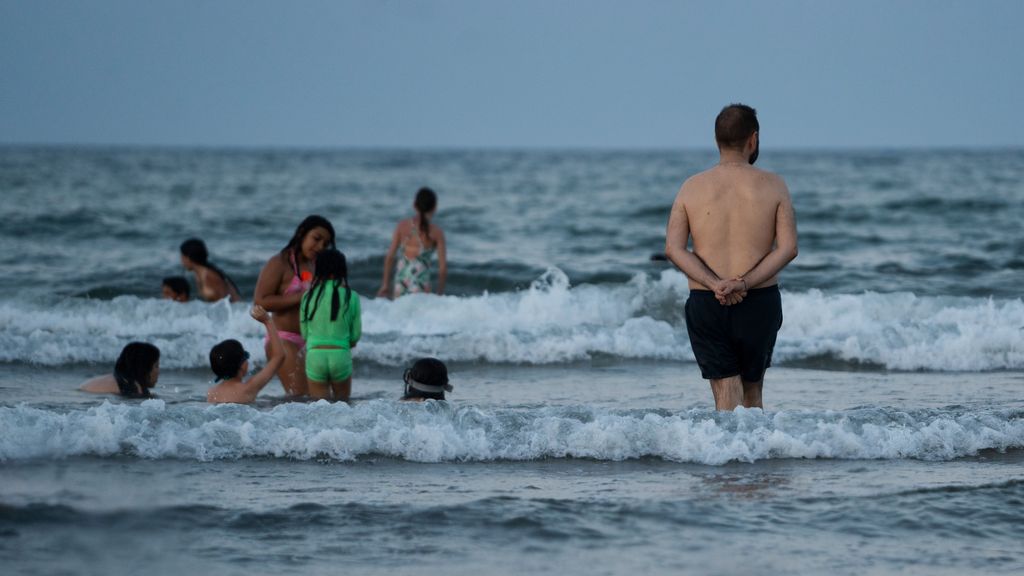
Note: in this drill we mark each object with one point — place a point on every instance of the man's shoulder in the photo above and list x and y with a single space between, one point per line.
771 182
695 183
768 175
701 176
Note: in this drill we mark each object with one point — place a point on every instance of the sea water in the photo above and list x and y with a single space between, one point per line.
580 438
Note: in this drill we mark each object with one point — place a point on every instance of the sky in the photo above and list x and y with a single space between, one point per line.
639 74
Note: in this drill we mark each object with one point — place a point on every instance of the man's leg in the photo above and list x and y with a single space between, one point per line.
752 394
728 392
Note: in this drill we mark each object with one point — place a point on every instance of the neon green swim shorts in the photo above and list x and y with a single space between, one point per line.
328 364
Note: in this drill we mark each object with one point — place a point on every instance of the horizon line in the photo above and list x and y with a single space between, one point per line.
498 148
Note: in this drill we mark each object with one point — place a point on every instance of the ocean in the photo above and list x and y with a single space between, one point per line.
579 438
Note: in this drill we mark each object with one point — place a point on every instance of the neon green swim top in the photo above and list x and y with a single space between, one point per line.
319 330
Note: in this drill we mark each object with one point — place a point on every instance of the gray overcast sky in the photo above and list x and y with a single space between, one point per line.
521 73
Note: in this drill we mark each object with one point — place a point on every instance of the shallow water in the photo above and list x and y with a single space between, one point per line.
386 516
624 464
579 438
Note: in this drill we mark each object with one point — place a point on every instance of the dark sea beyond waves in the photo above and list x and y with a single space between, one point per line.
103 223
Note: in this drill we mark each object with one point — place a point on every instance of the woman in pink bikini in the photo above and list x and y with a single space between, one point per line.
283 280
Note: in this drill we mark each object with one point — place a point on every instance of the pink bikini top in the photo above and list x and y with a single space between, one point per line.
300 281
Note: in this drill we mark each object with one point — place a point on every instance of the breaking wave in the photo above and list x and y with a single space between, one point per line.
438 432
551 322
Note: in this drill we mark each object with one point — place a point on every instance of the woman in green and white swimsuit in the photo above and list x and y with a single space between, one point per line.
413 246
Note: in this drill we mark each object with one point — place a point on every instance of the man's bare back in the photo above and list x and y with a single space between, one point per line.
734 213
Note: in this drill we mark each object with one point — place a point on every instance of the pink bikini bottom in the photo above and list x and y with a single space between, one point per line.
293 337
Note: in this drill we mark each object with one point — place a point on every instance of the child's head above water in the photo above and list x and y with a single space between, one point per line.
137 369
427 379
227 359
175 288
330 265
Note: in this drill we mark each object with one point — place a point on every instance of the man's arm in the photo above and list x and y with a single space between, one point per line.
676 237
783 253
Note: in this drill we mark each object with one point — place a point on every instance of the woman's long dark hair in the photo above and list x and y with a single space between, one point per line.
309 223
195 250
133 369
426 201
330 265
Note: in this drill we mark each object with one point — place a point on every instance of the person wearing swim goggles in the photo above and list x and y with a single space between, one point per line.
427 379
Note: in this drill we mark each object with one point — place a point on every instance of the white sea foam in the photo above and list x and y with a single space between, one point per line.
550 322
435 432
77 330
905 332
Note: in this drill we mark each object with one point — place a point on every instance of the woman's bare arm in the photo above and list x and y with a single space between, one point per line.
212 287
442 261
389 263
268 284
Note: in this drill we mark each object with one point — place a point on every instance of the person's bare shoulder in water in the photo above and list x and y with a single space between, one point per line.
100 385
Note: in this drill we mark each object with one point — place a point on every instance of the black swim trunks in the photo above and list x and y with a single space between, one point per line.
734 340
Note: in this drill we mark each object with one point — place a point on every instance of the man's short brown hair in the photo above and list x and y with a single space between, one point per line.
735 123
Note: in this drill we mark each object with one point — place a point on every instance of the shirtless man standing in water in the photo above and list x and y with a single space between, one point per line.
743 227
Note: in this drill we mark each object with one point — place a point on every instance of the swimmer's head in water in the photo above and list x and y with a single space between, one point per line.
137 369
427 379
193 251
227 359
175 288
330 265
314 234
734 126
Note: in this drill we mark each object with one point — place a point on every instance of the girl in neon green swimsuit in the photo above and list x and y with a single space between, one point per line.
331 324
414 243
